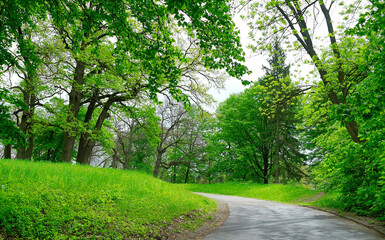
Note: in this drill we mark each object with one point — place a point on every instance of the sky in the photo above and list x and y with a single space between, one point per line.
253 61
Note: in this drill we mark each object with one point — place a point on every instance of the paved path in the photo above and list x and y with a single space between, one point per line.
257 219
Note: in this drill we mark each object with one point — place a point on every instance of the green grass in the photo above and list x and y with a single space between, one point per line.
61 201
328 200
273 192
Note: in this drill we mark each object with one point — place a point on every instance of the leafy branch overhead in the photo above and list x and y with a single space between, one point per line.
295 24
101 54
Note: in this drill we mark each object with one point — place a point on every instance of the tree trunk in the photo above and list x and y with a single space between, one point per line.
115 160
25 123
84 156
128 151
29 150
75 98
26 152
157 163
8 151
29 95
266 167
173 174
23 127
187 173
67 147
85 135
307 43
125 163
276 160
265 180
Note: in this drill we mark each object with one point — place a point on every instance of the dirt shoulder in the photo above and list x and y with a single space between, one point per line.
215 220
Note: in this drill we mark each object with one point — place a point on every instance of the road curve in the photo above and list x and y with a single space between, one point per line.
257 219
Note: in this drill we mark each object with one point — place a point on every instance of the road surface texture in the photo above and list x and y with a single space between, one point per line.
257 219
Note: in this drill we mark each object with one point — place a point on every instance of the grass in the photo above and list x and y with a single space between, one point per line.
272 192
327 201
61 201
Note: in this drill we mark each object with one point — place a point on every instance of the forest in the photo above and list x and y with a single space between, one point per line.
125 84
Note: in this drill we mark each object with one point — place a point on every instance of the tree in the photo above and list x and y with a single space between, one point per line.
248 131
358 170
369 99
10 134
259 125
136 138
354 170
287 19
172 117
157 61
19 24
282 106
117 51
185 159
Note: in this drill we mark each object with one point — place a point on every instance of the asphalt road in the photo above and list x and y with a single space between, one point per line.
257 219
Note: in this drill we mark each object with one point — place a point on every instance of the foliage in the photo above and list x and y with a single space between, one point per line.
350 68
136 139
257 128
9 133
247 132
355 170
100 55
369 101
292 23
60 201
352 169
186 160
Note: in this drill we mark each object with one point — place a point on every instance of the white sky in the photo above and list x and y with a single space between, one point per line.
253 62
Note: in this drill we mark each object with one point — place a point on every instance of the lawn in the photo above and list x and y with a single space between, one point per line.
59 201
274 192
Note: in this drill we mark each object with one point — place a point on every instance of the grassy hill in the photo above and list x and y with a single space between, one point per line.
60 201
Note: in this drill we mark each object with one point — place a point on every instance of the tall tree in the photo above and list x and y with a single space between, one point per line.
184 161
171 116
259 125
136 138
292 20
20 54
10 134
115 52
248 131
358 170
282 99
148 43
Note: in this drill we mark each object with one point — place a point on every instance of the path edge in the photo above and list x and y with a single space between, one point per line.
210 225
344 215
